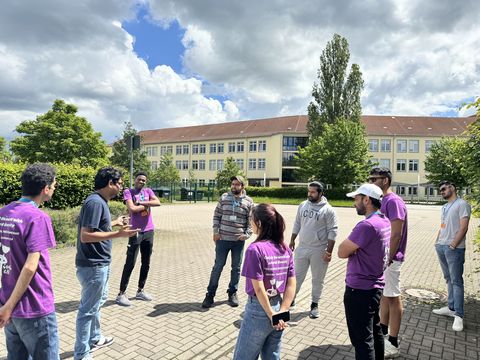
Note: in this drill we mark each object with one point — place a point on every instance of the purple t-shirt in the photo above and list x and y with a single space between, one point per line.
140 220
365 267
25 229
267 261
394 208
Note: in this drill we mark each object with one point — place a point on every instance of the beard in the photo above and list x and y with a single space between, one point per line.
361 210
236 191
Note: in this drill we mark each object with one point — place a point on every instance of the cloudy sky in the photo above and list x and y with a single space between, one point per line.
162 63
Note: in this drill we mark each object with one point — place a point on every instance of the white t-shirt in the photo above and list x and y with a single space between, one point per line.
450 221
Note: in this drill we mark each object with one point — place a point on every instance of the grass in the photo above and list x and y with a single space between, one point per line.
270 200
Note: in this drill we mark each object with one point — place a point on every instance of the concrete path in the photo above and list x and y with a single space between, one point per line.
174 326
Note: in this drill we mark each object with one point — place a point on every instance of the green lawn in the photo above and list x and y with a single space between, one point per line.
269 200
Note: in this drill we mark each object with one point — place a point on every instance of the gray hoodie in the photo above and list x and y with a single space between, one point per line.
315 224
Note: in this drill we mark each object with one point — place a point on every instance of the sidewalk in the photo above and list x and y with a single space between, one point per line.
174 326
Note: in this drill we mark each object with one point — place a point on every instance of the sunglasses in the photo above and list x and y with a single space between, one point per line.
442 189
375 178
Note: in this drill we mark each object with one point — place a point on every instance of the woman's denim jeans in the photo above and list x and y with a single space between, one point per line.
257 335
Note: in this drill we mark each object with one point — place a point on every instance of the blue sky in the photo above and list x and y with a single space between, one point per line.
226 61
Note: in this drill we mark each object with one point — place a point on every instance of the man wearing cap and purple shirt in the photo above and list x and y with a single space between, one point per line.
367 250
26 293
231 227
391 310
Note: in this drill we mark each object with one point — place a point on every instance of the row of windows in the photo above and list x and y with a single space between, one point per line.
385 145
401 164
214 165
413 190
214 148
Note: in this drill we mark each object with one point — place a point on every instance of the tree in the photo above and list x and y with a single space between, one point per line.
473 156
191 177
335 95
231 169
5 154
60 136
446 161
339 157
166 172
121 152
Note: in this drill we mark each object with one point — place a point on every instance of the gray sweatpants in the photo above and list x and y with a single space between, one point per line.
313 258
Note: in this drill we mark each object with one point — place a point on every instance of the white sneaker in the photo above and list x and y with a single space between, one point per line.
457 324
390 350
444 311
122 300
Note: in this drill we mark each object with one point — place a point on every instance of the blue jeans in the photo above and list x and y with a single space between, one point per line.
35 338
451 262
257 335
222 247
94 282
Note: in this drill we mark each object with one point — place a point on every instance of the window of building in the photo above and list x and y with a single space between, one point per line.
240 163
201 165
428 145
213 148
413 146
178 150
163 150
152 150
401 146
185 149
385 145
153 165
288 159
401 165
291 143
240 146
194 164
178 164
384 163
219 165
430 191
373 145
290 175
413 165
400 190
203 148
220 148
194 149
201 182
211 182
252 164
212 165
252 146
231 147
262 145
261 164
185 165
412 190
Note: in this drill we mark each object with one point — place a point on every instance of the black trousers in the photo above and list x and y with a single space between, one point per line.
363 321
144 243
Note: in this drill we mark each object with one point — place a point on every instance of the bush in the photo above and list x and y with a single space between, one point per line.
292 192
65 222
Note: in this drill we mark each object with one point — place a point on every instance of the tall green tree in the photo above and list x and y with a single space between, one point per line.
446 161
230 169
473 156
5 154
121 151
339 157
337 94
166 173
60 135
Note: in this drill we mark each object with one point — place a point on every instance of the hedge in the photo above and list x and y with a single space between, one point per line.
293 192
65 222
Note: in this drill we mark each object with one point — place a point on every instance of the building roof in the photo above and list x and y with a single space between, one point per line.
376 125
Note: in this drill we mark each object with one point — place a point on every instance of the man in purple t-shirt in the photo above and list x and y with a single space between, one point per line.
138 200
391 310
367 250
26 292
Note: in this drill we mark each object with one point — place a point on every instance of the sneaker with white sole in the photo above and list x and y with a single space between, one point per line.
314 313
103 342
122 300
444 311
142 295
391 351
457 324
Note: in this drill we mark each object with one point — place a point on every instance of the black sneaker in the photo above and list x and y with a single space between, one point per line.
314 311
208 301
232 299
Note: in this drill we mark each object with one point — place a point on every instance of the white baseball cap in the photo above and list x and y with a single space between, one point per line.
371 190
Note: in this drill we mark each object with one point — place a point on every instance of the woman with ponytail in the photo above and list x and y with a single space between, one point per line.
269 271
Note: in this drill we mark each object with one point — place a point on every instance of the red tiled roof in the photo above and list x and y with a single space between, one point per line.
375 125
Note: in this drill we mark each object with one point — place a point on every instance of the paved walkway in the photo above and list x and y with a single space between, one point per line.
174 326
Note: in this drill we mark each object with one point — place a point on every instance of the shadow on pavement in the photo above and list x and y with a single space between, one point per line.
69 306
327 352
162 309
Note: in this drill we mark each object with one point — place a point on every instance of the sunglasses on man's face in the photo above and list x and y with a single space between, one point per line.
442 189
375 178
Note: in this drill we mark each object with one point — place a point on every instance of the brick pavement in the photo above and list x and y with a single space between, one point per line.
174 326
